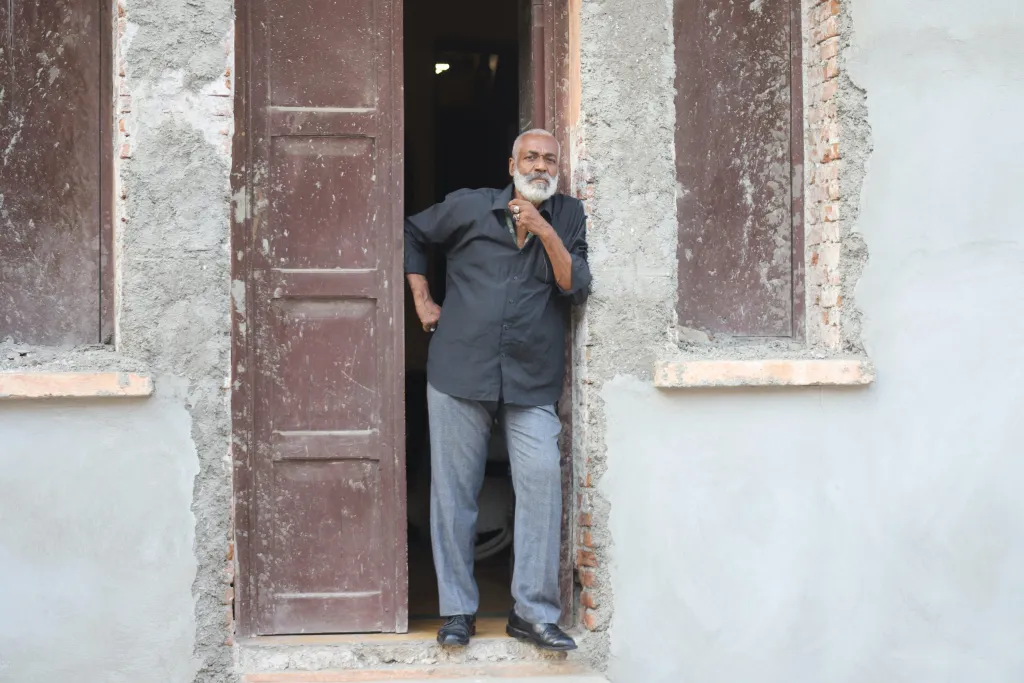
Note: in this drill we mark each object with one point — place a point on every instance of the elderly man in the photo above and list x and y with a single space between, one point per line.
516 260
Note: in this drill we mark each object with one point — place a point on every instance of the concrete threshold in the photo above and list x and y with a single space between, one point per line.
410 657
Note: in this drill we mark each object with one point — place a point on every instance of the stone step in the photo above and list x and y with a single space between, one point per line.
410 657
455 674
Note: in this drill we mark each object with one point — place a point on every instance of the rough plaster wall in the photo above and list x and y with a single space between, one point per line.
627 129
96 536
174 257
858 535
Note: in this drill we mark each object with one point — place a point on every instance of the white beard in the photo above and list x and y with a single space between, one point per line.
535 194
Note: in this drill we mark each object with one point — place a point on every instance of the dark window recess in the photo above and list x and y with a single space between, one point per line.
739 166
54 153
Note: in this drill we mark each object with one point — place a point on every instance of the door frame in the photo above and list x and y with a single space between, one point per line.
550 105
550 21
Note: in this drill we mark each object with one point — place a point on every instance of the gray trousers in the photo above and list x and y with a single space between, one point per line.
459 433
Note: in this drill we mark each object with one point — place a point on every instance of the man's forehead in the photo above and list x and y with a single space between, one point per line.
538 144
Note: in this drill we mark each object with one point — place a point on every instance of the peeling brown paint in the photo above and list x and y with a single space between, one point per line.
50 179
734 137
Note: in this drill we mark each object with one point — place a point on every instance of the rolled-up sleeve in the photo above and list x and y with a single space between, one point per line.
577 248
432 226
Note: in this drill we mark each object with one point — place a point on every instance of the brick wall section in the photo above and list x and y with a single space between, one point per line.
821 71
587 564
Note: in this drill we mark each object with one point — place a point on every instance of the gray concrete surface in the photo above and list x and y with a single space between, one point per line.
174 261
857 535
829 535
628 124
255 655
96 541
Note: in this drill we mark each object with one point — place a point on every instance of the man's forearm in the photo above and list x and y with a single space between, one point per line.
420 288
561 259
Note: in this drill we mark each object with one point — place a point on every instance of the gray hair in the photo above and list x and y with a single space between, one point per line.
534 131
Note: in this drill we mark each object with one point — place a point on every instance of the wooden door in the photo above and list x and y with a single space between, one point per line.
54 161
321 409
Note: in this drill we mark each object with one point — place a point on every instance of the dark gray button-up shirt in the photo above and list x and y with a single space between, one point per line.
502 329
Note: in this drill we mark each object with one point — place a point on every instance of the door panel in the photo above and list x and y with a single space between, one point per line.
325 204
327 541
50 171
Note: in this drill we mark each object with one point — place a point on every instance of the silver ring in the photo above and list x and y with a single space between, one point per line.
515 209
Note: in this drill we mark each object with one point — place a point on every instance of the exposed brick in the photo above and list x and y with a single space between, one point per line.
588 538
829 296
828 91
831 337
588 600
825 30
586 558
588 577
229 596
826 173
829 133
586 519
828 49
126 151
813 236
830 213
833 190
589 620
822 13
831 69
828 256
830 153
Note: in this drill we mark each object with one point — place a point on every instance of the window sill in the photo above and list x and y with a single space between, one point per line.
700 374
43 385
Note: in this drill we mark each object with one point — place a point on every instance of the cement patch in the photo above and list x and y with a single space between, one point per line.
96 541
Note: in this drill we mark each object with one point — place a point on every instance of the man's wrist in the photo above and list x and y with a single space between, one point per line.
546 232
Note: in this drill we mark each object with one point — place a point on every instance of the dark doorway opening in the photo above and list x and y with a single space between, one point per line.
461 117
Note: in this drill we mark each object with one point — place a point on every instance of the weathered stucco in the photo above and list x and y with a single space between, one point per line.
96 540
857 534
174 260
759 534
626 164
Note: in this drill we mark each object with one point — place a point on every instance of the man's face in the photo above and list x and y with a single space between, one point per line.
535 171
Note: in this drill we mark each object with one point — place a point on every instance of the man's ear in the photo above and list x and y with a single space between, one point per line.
511 166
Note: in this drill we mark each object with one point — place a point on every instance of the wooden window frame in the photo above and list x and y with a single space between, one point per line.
108 93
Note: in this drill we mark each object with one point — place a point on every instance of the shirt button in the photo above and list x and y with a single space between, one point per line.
515 277
504 327
511 301
503 355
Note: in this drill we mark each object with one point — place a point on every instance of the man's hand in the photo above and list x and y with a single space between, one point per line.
527 216
426 310
429 313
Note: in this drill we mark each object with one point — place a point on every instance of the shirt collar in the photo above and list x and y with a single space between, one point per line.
505 196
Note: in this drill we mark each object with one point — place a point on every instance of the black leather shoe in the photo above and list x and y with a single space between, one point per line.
456 630
544 636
